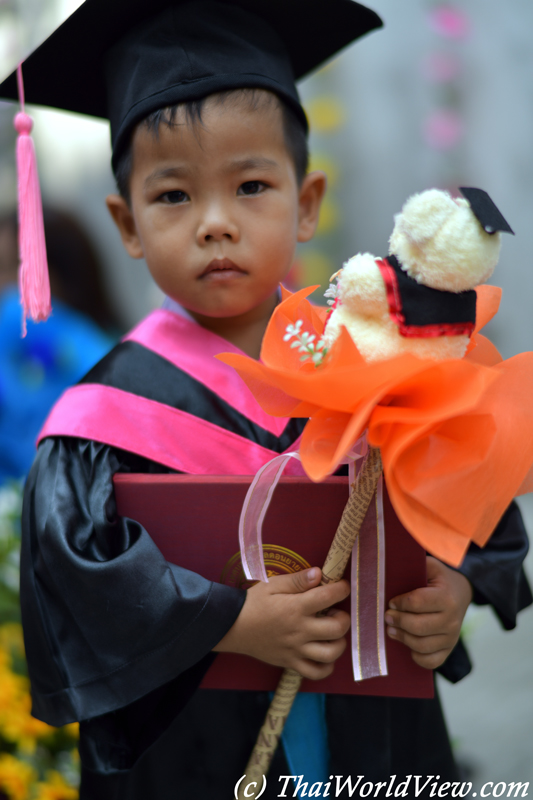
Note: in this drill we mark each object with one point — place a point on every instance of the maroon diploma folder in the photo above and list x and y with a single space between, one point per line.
194 520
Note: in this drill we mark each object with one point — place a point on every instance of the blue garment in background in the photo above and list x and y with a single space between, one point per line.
35 370
305 741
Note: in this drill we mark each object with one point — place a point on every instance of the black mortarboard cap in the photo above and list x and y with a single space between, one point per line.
486 212
124 59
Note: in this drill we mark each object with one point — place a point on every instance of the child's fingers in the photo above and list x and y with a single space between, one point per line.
323 597
425 645
431 660
333 625
425 600
313 670
296 582
418 624
447 590
324 652
315 598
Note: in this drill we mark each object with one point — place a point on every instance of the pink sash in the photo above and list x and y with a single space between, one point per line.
167 435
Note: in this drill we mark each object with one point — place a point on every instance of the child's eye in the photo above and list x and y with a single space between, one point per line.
174 198
252 187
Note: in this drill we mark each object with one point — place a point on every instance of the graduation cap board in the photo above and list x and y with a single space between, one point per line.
124 59
485 210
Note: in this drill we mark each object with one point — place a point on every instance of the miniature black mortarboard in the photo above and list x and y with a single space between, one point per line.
124 59
488 215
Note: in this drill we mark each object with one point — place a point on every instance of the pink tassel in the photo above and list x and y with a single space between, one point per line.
34 282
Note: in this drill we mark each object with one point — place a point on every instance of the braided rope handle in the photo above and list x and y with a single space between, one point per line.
332 571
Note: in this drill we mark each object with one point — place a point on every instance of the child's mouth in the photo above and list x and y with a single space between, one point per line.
221 269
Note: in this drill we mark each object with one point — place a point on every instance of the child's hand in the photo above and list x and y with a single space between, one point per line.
279 624
429 620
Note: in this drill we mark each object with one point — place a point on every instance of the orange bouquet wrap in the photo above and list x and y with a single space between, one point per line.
456 436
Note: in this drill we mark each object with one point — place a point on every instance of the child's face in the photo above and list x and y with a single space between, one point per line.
216 209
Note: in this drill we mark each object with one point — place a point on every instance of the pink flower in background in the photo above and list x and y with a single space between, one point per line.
443 129
449 21
441 67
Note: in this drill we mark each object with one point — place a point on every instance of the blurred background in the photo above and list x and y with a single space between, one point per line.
442 97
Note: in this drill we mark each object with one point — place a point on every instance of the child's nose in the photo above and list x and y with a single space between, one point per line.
217 225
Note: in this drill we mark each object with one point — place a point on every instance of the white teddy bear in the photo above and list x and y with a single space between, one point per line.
440 243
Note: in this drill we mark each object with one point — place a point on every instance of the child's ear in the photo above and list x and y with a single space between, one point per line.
312 191
123 219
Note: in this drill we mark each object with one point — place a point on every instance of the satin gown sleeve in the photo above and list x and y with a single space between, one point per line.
498 579
107 621
496 572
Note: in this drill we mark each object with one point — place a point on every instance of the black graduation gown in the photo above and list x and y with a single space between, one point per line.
118 638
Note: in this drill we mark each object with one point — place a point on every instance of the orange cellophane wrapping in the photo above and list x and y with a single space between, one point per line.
456 436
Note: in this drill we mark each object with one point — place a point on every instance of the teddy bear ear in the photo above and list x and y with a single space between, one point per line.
486 212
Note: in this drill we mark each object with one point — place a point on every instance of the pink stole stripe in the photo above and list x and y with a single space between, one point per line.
193 349
158 432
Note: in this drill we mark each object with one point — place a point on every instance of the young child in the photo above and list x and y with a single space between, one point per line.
211 163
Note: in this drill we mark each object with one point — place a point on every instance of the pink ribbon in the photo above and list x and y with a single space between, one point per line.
369 657
368 559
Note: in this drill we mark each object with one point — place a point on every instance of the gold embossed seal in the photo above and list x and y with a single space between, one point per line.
278 561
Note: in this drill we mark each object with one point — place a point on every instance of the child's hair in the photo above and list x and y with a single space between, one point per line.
293 130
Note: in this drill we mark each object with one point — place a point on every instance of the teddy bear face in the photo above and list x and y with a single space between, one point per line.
440 243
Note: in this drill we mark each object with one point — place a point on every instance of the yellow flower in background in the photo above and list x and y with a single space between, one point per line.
326 114
19 779
18 726
55 788
16 777
328 165
317 267
330 216
11 641
73 729
16 723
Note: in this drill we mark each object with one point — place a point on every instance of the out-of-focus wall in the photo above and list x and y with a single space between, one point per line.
428 101
436 100
447 100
